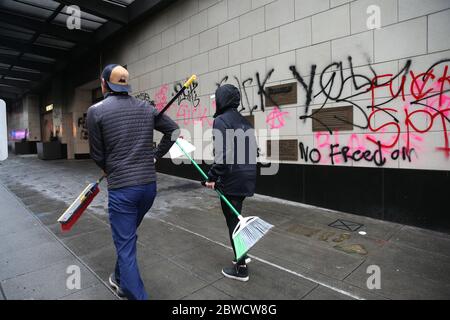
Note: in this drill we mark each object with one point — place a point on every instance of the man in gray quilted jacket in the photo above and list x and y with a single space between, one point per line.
121 144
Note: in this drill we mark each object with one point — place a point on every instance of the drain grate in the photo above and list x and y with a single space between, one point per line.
346 225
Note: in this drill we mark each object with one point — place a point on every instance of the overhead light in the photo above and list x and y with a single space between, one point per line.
49 107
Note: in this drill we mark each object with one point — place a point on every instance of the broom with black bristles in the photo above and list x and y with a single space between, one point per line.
249 230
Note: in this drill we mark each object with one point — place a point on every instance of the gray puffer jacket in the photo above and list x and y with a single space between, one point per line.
121 139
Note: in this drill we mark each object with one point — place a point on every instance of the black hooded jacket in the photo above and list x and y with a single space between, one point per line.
235 148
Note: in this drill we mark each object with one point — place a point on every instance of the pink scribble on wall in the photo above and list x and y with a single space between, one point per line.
275 119
356 143
204 119
161 97
192 115
184 113
323 141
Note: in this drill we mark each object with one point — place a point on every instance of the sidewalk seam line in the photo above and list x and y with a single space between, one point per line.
59 240
351 272
78 291
307 293
208 285
185 269
264 197
269 263
374 293
34 270
2 292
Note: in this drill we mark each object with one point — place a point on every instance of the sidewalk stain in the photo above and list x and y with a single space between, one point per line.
352 248
302 230
342 237
326 236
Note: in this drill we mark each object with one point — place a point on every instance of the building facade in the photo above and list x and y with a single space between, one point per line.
349 99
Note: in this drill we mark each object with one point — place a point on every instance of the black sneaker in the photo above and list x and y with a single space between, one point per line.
116 286
236 272
247 260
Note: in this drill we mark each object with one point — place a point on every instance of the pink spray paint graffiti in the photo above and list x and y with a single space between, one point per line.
186 112
161 97
192 115
276 119
409 111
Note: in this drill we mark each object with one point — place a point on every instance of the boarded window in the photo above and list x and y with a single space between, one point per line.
282 94
337 118
288 150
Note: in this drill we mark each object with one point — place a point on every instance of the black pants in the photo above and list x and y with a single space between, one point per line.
232 220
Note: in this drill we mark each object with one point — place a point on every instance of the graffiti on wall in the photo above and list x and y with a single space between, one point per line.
144 96
190 108
406 105
392 112
189 95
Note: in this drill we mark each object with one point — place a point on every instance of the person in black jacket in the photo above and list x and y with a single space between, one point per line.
234 168
121 144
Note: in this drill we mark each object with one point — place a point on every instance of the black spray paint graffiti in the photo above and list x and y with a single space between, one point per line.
307 88
338 78
190 94
244 86
332 83
378 157
144 97
337 82
331 86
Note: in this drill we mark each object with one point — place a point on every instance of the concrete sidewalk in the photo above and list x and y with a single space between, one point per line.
183 244
34 263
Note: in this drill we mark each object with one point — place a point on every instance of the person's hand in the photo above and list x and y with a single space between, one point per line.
104 173
210 185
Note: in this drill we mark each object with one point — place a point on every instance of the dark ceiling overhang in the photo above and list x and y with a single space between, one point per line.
101 9
44 27
23 46
28 64
26 75
34 47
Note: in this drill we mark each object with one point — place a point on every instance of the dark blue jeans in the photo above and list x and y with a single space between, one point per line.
127 208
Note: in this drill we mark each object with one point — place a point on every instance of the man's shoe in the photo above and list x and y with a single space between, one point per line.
247 260
116 286
236 272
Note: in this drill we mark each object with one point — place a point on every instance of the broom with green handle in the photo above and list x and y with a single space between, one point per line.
249 230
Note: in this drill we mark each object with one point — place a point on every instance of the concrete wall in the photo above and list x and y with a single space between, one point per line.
31 104
26 117
239 39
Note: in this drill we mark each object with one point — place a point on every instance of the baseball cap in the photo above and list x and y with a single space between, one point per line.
117 78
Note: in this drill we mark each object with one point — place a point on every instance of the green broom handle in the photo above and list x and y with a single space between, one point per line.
207 178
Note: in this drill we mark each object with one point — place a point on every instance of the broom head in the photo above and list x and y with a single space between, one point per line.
247 233
78 207
176 152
